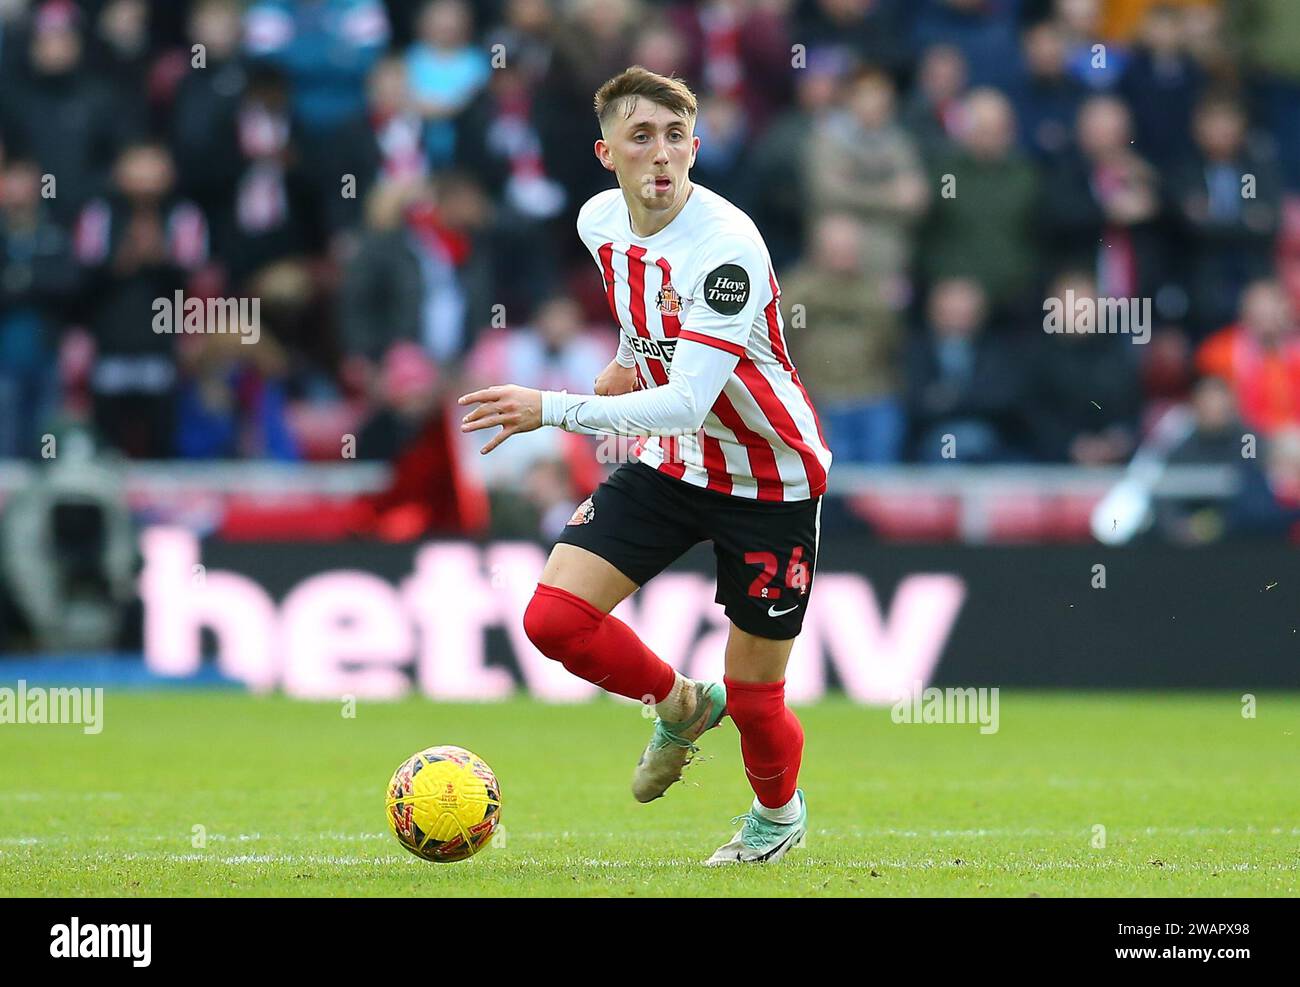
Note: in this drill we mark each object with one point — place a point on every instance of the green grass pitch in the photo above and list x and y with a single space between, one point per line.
1195 800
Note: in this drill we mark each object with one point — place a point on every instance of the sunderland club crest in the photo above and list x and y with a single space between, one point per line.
667 301
585 512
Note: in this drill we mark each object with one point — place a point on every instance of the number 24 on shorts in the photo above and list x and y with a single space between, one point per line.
796 573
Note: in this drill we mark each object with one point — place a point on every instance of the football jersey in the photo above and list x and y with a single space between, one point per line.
707 277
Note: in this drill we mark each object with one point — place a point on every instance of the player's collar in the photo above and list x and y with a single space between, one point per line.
691 196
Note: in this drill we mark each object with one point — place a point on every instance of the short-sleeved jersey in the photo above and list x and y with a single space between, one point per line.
707 277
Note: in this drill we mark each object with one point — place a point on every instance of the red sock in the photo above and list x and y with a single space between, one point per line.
771 739
595 646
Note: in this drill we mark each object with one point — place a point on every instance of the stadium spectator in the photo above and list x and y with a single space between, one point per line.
1104 210
1167 372
137 245
1268 503
983 222
1098 65
403 15
294 306
462 279
326 49
288 98
547 468
119 52
1218 439
740 51
722 160
1161 85
419 275
205 109
594 42
61 116
1084 390
550 490
527 34
1269 35
1123 20
863 164
405 385
778 161
1048 98
533 35
37 278
1209 39
661 47
13 17
1228 195
1288 249
875 31
430 492
983 30
555 348
1259 356
273 213
446 72
962 382
849 342
935 110
503 140
231 402
382 296
386 142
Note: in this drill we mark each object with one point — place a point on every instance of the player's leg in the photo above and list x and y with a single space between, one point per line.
766 558
614 542
582 573
635 524
693 709
568 620
771 746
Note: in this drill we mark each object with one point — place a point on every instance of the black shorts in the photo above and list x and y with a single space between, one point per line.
640 521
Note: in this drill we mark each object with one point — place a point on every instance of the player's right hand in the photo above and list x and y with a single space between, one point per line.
616 379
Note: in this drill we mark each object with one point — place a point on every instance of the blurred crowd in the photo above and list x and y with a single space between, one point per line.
396 182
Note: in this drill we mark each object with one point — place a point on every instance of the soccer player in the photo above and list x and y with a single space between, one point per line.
734 455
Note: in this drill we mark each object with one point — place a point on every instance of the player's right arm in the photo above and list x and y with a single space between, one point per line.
709 346
616 379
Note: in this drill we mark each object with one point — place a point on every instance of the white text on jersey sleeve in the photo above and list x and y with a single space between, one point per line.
731 279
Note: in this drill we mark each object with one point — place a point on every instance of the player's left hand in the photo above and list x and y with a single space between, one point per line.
514 408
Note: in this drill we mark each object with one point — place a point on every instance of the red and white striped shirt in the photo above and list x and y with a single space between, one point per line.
707 277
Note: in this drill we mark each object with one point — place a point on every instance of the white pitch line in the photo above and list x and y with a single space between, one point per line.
884 867
60 796
1114 833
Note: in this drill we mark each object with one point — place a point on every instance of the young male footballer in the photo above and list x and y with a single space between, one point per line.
735 456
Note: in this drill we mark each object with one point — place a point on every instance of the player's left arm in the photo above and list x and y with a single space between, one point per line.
709 346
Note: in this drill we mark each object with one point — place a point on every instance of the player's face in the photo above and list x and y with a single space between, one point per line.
651 151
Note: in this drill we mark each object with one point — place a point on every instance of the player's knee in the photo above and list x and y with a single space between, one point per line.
543 625
754 703
559 623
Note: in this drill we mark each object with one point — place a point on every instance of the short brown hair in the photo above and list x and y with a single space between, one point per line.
625 88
